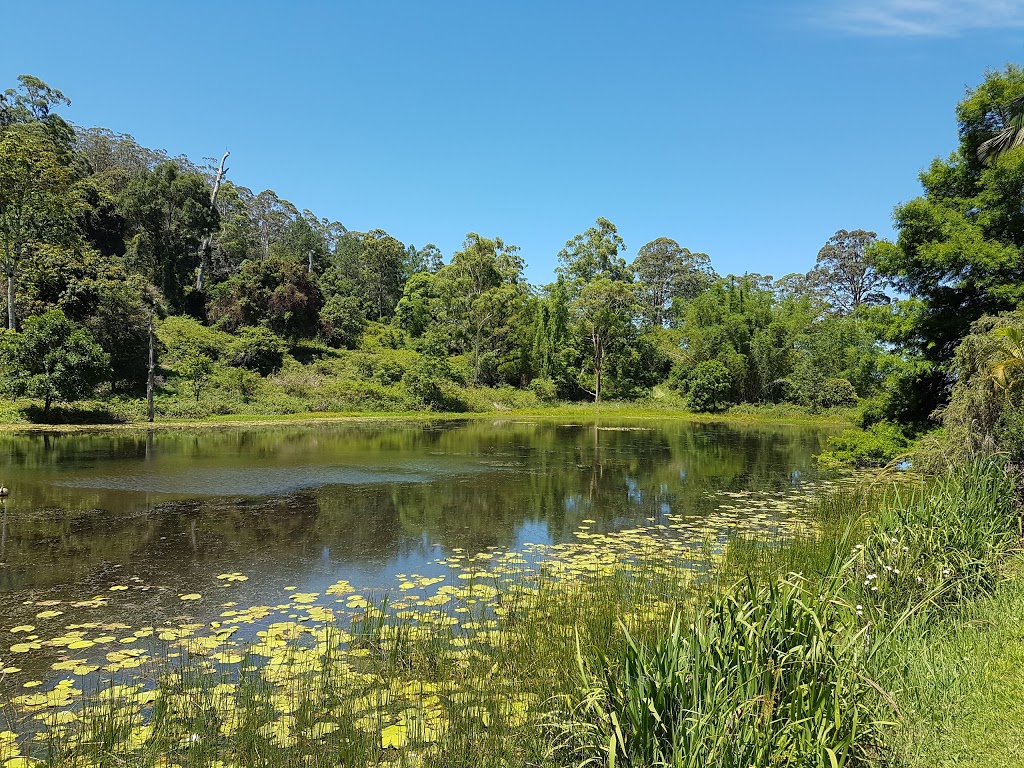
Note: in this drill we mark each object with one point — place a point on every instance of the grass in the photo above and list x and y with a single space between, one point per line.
960 683
97 416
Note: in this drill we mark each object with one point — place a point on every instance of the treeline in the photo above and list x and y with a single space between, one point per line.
260 306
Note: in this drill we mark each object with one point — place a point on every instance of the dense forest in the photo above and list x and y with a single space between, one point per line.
252 305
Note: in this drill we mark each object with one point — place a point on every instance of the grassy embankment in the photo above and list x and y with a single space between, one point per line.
14 415
834 643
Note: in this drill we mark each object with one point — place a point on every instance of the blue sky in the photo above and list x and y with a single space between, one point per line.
747 130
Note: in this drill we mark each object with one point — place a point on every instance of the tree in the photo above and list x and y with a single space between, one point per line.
277 293
426 259
32 102
169 212
479 296
595 253
99 293
846 274
604 312
381 271
34 200
960 246
666 271
53 359
271 217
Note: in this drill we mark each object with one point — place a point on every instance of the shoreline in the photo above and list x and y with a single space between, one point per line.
586 413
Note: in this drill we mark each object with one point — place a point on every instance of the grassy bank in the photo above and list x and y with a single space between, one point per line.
828 642
99 416
961 684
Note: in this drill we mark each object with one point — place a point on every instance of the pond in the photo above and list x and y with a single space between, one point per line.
110 531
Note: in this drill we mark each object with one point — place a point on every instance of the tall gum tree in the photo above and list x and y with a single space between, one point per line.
35 202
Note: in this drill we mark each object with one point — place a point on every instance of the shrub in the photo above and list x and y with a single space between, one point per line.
427 380
256 349
835 393
342 321
545 389
708 387
875 446
183 336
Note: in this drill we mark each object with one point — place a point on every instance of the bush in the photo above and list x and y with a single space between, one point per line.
429 381
342 321
940 544
545 389
256 349
835 393
875 446
184 337
708 387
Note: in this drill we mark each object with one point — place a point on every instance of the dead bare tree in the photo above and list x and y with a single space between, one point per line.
207 246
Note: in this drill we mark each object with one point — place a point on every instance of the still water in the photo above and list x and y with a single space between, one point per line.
161 514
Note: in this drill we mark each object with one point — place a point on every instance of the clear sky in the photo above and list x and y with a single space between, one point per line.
747 130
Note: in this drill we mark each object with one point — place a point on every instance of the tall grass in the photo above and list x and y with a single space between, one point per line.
770 676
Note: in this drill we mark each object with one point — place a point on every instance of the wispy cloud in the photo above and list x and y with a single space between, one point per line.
923 18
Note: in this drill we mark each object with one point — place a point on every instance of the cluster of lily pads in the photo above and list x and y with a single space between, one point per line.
345 674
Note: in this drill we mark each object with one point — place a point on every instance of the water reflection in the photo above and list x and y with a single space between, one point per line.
308 505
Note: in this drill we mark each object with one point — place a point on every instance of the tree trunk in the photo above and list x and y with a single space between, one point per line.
598 364
150 413
10 300
207 246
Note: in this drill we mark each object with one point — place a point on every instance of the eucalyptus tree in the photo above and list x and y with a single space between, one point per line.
846 274
604 312
592 254
271 216
33 102
35 199
665 271
380 272
480 297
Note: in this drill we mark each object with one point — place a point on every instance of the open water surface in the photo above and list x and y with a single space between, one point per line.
132 521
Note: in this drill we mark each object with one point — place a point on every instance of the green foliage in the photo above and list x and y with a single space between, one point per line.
667 273
836 393
183 336
959 250
545 389
876 446
707 387
256 349
938 545
279 294
429 381
52 359
34 201
989 389
604 313
342 321
593 254
769 676
167 214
